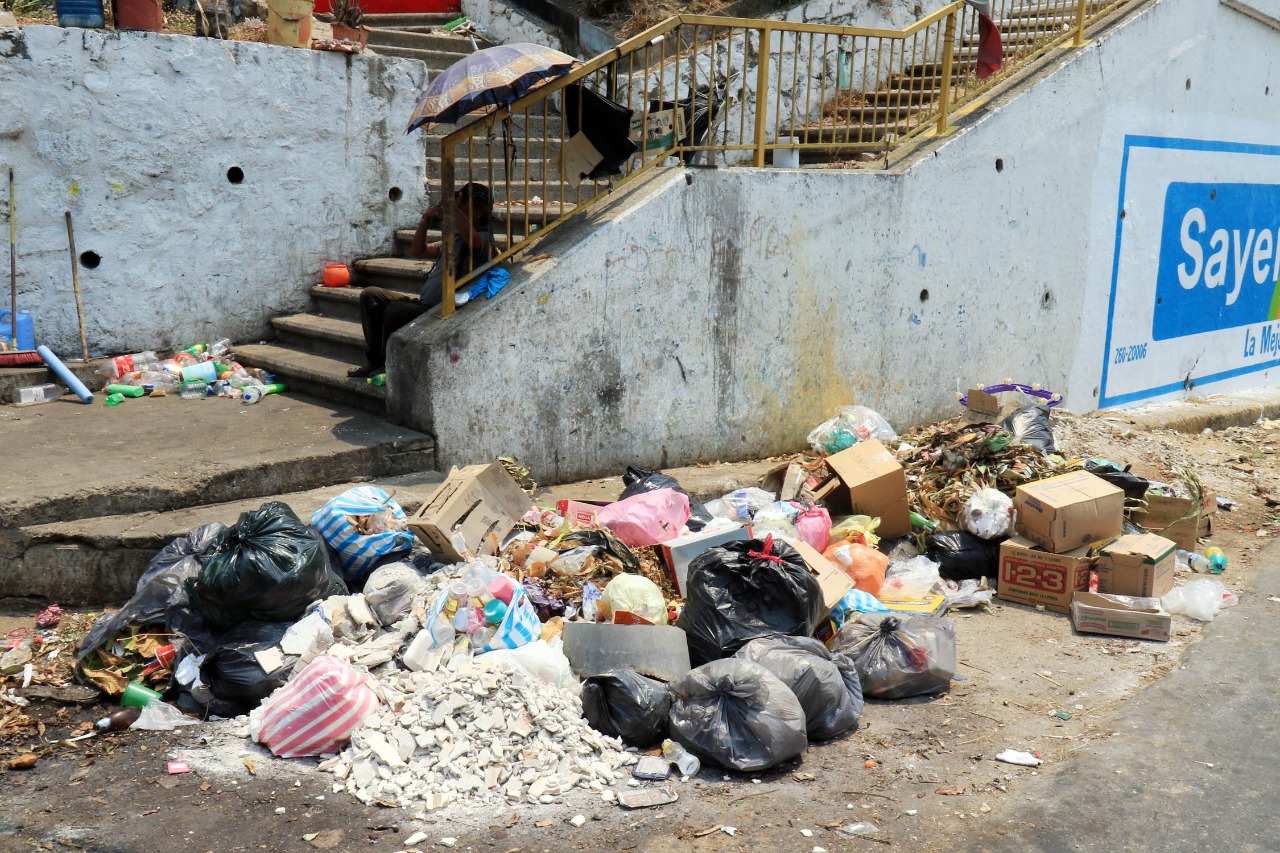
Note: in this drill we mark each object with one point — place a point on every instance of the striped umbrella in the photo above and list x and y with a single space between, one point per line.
487 80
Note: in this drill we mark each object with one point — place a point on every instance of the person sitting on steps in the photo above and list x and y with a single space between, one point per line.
383 312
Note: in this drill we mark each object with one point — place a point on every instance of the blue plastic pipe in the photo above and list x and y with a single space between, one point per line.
72 381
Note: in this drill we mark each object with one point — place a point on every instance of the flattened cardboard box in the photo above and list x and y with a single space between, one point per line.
876 483
1032 575
1121 616
678 553
473 510
1137 564
835 584
1065 512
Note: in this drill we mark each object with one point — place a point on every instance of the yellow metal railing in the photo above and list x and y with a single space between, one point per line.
728 89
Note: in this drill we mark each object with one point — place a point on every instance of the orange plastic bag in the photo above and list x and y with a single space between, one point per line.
863 563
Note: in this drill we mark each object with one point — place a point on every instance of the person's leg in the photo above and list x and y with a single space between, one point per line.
397 316
374 302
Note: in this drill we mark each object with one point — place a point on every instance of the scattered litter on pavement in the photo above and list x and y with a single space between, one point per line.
1017 756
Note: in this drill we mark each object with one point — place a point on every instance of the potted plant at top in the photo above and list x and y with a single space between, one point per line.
348 22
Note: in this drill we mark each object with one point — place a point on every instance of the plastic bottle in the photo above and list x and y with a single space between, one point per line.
36 394
195 389
118 721
160 379
123 365
125 390
114 399
687 763
1217 560
218 349
197 350
1197 562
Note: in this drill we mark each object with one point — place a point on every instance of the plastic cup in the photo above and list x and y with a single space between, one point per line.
138 696
502 588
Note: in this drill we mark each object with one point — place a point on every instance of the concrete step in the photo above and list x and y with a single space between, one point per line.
854 131
553 191
401 20
1040 11
340 303
526 148
904 97
841 153
386 37
435 60
320 376
331 337
13 378
98 561
403 274
496 171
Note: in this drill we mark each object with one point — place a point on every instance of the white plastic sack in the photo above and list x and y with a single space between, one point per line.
159 716
634 594
1201 599
390 589
988 514
360 552
540 659
742 504
777 518
914 578
316 712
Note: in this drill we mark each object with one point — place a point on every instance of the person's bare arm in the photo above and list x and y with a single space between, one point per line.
420 248
467 231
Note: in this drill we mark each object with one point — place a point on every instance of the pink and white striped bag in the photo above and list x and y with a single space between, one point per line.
316 712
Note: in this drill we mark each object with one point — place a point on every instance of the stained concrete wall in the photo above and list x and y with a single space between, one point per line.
719 314
135 134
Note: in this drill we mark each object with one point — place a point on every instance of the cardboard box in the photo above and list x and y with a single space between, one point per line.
876 484
474 510
1031 575
835 584
1121 615
579 513
1179 519
1138 564
678 553
928 605
1065 512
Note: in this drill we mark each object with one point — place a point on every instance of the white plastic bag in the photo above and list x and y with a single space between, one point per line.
777 518
913 579
850 425
540 659
742 504
1201 599
988 514
634 594
160 716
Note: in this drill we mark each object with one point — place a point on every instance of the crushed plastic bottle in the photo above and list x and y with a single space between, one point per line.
686 762
36 394
194 389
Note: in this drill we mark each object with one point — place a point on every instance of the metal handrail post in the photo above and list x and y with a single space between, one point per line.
1081 10
447 278
948 48
763 55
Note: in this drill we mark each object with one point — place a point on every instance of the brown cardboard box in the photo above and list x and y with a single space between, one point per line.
1179 519
1121 615
1065 512
1031 575
876 483
473 510
1139 564
835 584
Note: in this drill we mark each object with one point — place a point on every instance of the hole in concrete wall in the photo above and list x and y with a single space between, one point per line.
1267 91
999 165
924 295
1047 298
90 260
235 174
1188 84
1095 390
1213 194
1122 213
395 193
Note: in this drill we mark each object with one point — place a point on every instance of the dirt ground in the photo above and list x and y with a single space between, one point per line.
921 771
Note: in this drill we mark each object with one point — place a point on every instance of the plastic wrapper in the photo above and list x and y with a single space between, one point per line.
899 656
966 593
741 505
268 567
855 528
914 578
648 518
740 591
777 518
1200 599
637 480
825 684
850 425
161 717
988 514
390 589
961 555
624 704
365 527
634 594
813 526
232 670
739 715
1030 425
864 564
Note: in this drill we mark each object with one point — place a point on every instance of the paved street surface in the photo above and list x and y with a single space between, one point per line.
1192 766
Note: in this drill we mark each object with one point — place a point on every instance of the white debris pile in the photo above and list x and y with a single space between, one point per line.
476 732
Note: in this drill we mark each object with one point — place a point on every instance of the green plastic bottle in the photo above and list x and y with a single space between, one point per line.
125 390
114 399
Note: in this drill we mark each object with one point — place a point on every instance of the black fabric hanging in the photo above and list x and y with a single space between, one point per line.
605 123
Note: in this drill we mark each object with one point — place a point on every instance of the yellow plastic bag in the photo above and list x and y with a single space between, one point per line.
855 528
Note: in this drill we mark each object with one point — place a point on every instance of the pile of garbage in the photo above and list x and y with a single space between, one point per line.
201 370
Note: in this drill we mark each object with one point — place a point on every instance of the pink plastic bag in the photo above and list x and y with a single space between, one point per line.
647 518
316 712
814 527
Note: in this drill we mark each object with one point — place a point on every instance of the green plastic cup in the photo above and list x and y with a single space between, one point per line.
138 696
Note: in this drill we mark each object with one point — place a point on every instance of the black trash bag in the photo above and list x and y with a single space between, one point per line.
737 714
741 591
960 555
637 480
1030 425
268 567
160 597
899 656
624 704
825 684
233 673
1133 486
608 542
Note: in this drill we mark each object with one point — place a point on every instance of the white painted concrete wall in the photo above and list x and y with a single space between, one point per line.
135 133
502 23
723 318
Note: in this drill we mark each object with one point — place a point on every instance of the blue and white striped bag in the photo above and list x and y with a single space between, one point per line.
359 552
521 624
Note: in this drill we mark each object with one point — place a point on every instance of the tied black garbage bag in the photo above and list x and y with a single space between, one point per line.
1133 486
741 591
738 715
961 555
899 656
627 705
825 684
268 567
1030 425
161 596
637 480
234 673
